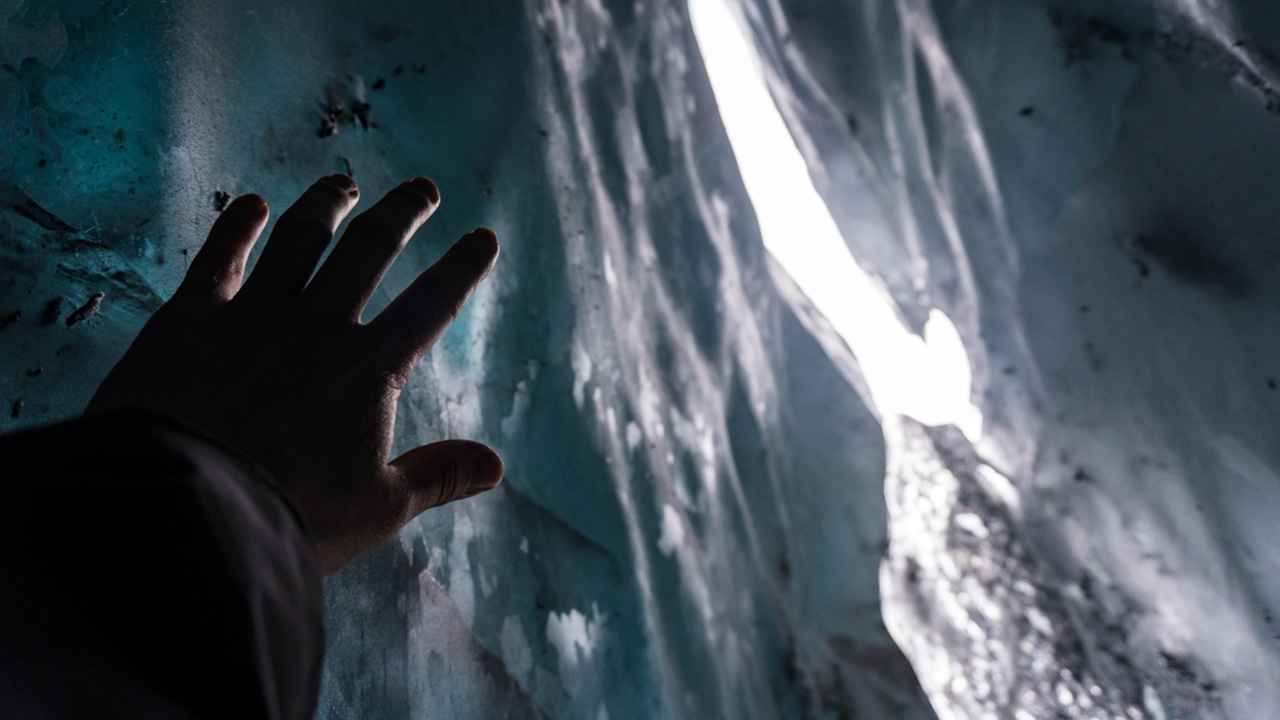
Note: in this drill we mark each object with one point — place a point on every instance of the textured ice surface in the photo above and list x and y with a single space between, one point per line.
693 516
1088 190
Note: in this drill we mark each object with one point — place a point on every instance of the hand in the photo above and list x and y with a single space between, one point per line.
282 368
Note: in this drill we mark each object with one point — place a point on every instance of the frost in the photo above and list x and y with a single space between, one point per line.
573 635
672 535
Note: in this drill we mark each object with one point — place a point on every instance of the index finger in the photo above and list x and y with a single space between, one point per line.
217 270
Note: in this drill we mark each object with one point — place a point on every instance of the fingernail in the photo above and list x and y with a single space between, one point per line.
251 203
486 473
426 187
345 182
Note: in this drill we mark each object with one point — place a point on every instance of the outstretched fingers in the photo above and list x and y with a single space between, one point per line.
412 323
299 239
369 246
217 270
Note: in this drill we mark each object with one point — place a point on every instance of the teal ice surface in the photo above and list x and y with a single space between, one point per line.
693 515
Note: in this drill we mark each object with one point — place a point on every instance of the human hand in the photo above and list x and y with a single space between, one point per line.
282 369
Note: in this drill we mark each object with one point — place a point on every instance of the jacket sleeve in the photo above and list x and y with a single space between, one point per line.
148 571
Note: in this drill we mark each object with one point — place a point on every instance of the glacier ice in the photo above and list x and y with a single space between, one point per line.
667 419
1085 189
705 514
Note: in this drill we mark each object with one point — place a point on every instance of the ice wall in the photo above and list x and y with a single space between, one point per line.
693 516
1088 190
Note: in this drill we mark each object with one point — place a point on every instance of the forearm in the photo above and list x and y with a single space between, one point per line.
154 549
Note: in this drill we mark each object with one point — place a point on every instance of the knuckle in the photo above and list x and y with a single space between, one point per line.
383 368
378 228
397 380
306 226
394 380
449 480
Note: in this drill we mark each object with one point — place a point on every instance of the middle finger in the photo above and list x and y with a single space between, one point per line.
371 243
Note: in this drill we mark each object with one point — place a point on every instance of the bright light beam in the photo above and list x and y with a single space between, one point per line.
929 378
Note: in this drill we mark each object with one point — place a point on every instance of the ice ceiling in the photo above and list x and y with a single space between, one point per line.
713 507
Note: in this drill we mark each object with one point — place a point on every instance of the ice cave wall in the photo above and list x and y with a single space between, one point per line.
1088 190
693 517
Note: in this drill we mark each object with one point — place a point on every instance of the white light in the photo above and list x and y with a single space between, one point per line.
927 378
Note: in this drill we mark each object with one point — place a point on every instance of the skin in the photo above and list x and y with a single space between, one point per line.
280 366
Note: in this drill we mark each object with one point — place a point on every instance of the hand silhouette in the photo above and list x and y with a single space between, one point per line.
282 368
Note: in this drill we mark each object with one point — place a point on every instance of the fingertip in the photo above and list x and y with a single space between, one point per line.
425 186
482 239
343 182
486 472
448 471
251 204
245 214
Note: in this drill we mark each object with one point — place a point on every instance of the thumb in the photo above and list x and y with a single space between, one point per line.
445 471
